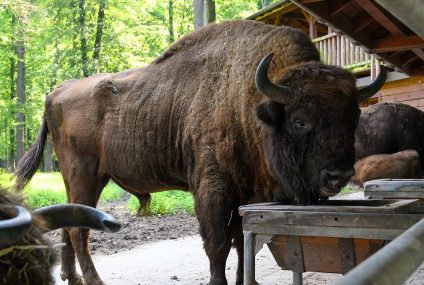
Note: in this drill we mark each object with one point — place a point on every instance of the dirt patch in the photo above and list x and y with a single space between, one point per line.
136 230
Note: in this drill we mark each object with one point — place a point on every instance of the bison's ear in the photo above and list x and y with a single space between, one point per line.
271 113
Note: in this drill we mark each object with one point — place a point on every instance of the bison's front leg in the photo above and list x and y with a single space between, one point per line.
68 271
239 245
80 241
214 209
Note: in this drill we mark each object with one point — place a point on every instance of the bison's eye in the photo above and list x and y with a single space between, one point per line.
299 124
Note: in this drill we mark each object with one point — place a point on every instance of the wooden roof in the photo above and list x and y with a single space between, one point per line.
365 22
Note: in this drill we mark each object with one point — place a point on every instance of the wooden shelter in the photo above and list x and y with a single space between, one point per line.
357 34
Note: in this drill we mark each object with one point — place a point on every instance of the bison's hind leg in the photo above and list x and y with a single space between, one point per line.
84 185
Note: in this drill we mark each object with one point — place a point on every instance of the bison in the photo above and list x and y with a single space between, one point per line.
26 255
402 164
388 128
235 113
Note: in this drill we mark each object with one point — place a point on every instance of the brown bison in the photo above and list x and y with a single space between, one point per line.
195 120
388 128
26 255
402 164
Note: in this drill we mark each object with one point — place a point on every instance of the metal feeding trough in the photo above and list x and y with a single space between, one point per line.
331 237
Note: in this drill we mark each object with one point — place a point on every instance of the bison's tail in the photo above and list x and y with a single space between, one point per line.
28 164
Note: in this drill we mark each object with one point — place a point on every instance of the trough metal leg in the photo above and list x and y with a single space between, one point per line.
249 258
297 278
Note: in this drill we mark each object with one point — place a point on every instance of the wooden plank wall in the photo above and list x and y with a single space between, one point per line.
408 91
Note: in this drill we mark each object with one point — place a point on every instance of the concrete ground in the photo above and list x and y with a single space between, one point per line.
183 262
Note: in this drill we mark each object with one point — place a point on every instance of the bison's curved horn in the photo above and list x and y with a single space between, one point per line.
367 92
75 215
278 93
13 228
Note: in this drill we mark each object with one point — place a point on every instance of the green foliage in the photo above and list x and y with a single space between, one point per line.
166 203
134 33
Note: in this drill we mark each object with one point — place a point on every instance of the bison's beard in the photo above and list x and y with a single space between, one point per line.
294 173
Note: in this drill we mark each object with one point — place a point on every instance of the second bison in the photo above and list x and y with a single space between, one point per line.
402 164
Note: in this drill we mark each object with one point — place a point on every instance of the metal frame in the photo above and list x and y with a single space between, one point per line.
393 264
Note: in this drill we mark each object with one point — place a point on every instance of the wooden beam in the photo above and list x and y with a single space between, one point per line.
344 24
419 52
408 59
380 17
339 6
361 22
398 43
311 1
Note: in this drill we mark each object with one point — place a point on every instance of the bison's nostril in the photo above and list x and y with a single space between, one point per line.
336 178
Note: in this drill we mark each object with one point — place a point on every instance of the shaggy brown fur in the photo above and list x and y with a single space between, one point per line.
29 260
388 128
402 164
194 120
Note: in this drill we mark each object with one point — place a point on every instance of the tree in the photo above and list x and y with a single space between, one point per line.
71 39
99 34
204 12
83 39
171 20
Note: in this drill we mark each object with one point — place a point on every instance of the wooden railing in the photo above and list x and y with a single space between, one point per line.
339 50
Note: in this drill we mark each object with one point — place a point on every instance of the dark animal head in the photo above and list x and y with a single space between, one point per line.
311 121
20 228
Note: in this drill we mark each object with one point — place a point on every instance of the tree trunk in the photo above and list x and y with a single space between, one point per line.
204 12
99 34
171 21
20 89
83 38
209 15
48 157
11 149
48 151
265 3
198 14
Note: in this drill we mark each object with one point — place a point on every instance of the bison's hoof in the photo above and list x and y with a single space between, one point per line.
76 279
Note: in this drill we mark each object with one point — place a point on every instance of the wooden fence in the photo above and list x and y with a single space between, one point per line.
339 50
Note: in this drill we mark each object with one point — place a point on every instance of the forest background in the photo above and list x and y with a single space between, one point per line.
45 42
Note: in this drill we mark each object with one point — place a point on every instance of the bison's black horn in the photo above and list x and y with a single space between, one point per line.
13 228
75 215
370 90
278 93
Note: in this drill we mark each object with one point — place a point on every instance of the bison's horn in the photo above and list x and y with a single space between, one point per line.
278 93
370 90
13 228
75 215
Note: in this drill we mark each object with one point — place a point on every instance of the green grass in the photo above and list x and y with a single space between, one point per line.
47 189
166 203
348 190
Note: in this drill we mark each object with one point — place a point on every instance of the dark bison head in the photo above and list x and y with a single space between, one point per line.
311 119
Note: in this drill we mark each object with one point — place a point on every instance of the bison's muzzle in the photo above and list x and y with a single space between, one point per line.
333 180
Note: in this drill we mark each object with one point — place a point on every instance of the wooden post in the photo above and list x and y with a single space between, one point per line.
313 27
